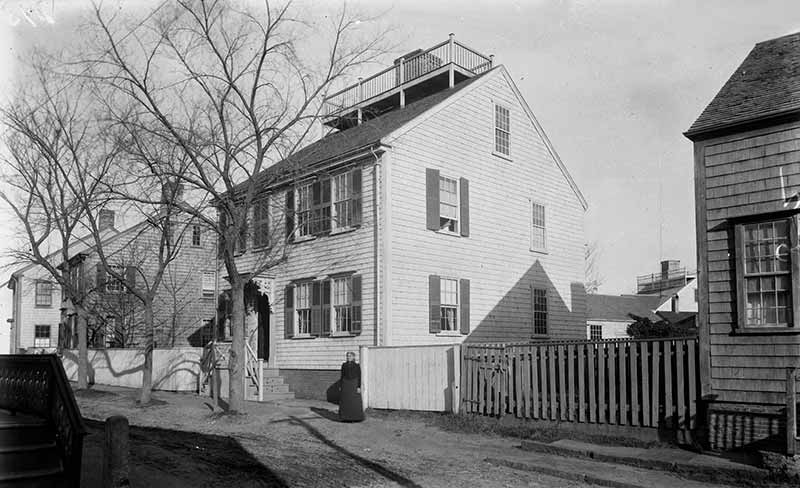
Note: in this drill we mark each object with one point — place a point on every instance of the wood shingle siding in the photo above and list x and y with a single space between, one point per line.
743 179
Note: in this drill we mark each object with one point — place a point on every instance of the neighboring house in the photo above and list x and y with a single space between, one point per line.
670 295
438 213
608 316
184 306
747 182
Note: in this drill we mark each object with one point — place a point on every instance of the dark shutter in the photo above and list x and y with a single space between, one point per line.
326 307
101 278
355 303
355 197
316 308
223 227
242 242
316 202
434 301
463 303
289 211
794 260
464 200
432 198
325 207
288 312
130 276
741 294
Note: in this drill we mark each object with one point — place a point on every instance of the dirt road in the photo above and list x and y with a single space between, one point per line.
182 442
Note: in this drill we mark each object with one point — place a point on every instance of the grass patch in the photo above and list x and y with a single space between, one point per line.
508 426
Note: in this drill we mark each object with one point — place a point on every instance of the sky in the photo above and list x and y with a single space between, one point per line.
614 83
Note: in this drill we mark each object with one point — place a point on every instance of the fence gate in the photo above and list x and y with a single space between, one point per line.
640 383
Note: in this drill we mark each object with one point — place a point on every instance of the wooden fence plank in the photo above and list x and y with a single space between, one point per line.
623 383
571 377
680 384
655 386
591 372
486 388
645 360
551 379
612 383
535 396
518 384
634 376
582 382
668 410
562 383
526 382
499 397
692 373
602 401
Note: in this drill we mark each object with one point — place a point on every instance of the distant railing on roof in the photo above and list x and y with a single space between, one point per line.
407 70
655 282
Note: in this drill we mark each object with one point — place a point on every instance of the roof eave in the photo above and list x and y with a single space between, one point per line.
744 125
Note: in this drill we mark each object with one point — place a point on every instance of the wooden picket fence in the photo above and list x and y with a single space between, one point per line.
644 383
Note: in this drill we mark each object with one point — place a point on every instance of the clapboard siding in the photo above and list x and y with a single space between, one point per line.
496 257
744 175
30 315
352 251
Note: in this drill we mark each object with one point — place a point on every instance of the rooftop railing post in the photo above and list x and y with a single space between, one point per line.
491 61
402 79
360 98
452 60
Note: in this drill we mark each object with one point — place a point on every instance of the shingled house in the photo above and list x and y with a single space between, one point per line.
747 183
436 212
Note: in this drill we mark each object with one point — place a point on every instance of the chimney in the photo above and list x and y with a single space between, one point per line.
669 268
105 220
171 192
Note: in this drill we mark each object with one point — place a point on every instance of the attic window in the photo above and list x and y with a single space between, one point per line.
502 130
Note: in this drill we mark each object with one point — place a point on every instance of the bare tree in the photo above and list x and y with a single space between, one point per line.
593 276
56 157
234 91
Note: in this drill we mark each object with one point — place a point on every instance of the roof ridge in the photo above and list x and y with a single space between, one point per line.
777 38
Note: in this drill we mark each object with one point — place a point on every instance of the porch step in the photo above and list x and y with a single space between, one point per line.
28 453
271 373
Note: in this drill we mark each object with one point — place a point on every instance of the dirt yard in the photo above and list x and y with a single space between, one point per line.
181 441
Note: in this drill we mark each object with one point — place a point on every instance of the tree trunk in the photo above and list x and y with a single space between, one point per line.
147 369
83 350
236 357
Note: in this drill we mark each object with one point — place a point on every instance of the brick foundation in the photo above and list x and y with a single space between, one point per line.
314 384
732 426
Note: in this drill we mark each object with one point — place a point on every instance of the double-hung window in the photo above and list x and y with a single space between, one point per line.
342 215
764 273
113 285
261 223
302 296
449 303
342 316
448 204
502 130
209 282
41 336
303 210
595 332
539 311
538 230
196 233
44 294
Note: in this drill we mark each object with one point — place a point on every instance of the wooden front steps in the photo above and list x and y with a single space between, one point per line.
28 453
274 387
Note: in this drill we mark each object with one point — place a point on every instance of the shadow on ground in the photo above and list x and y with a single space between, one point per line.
165 457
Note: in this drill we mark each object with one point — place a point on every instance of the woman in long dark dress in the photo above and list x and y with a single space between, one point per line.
350 406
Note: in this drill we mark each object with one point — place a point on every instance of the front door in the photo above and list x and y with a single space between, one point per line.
263 327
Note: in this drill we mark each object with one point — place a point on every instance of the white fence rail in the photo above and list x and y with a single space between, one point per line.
412 377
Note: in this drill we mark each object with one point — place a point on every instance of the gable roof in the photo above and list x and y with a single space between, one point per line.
766 84
619 308
367 134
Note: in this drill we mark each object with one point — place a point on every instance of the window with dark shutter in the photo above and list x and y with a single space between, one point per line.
100 278
316 308
463 288
326 307
355 300
434 304
432 198
289 212
355 198
464 204
130 277
261 223
288 312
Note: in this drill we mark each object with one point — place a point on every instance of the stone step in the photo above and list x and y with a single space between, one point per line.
274 380
24 434
252 394
34 478
276 388
271 372
30 457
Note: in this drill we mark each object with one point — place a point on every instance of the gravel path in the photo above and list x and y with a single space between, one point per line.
182 441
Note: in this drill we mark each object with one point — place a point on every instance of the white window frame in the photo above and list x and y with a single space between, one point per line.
114 285
196 235
36 337
536 312
449 312
496 127
341 304
341 201
534 226
304 215
302 296
43 295
110 331
457 228
205 291
594 328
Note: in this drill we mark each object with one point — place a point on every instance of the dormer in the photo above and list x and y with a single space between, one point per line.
413 76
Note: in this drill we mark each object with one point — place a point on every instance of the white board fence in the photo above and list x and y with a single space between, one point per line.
411 377
176 369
